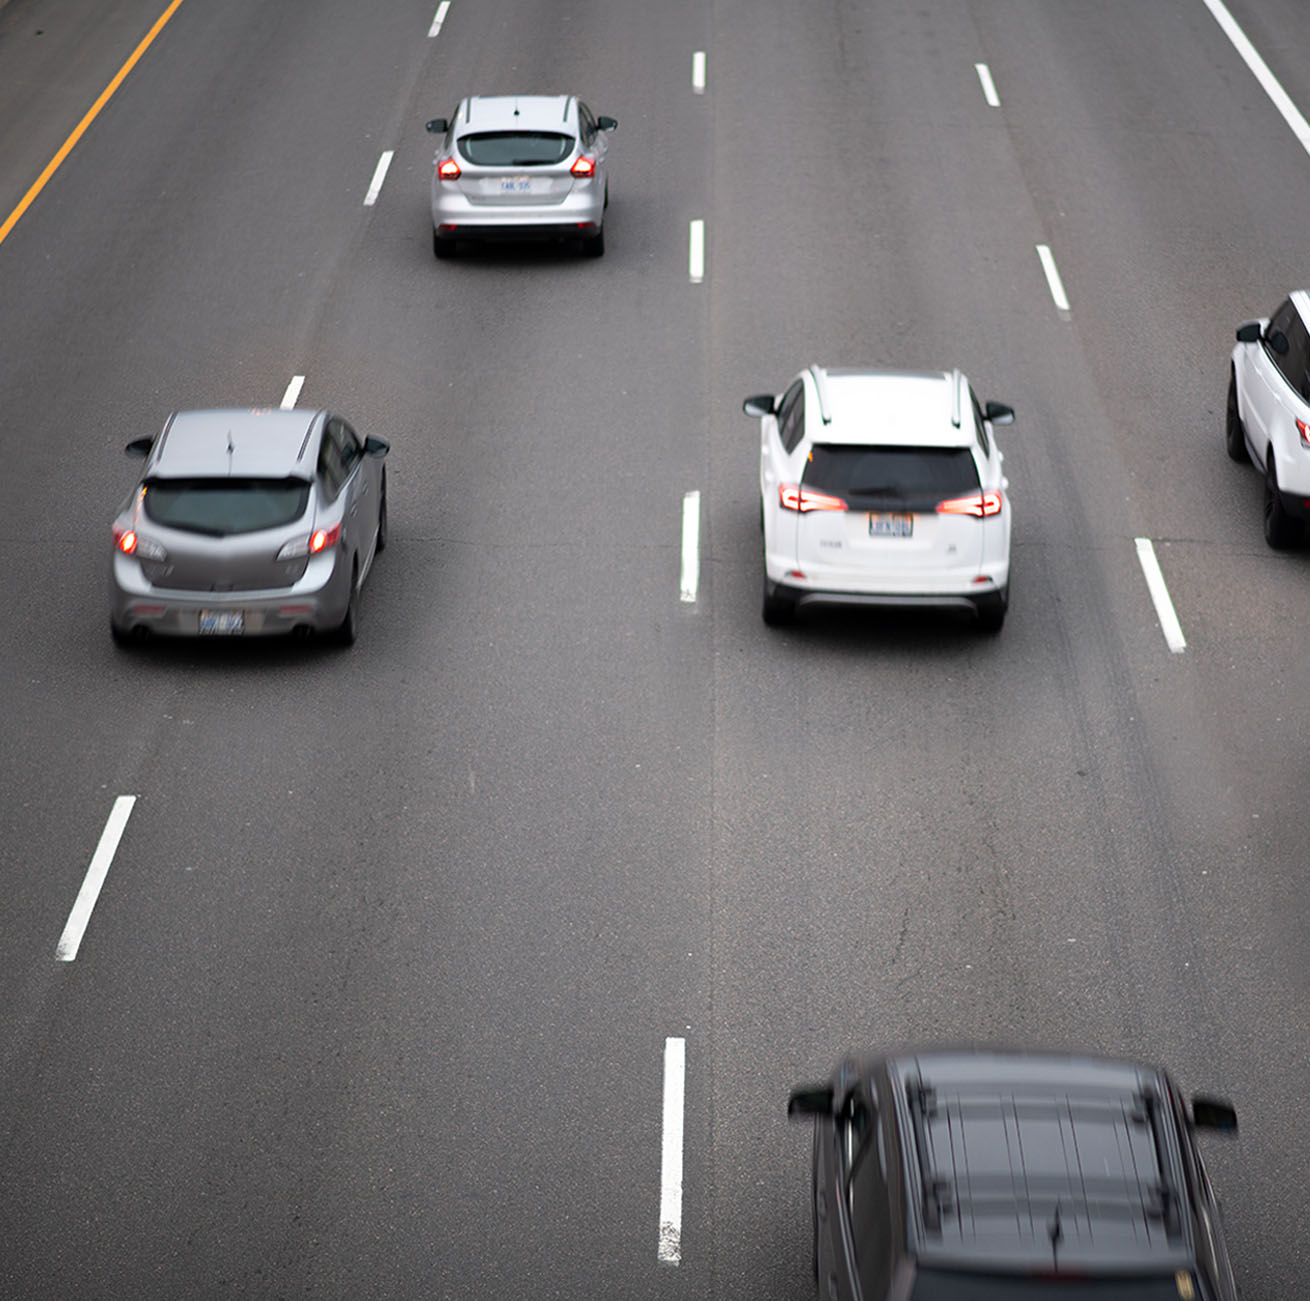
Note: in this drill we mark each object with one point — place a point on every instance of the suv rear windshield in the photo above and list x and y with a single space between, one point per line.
946 1285
223 506
515 148
906 477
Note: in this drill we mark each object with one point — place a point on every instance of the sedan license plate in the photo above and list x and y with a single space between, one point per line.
515 184
222 622
883 525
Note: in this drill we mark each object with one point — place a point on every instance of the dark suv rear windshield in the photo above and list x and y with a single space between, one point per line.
223 506
906 477
515 148
944 1285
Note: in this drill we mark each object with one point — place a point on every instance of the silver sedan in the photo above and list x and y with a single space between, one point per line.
248 523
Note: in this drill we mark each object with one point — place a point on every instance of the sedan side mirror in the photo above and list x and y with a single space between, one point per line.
1249 332
810 1100
1214 1113
997 413
139 447
607 123
440 125
762 404
376 446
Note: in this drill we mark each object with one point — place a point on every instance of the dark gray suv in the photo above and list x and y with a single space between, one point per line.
979 1175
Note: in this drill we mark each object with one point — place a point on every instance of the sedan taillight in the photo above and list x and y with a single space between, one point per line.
796 496
448 169
978 504
585 166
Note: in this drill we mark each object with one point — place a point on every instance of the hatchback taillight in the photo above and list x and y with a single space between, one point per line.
310 544
585 166
131 543
448 169
125 540
978 504
796 496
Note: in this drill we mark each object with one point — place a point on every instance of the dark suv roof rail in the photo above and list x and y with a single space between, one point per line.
923 1105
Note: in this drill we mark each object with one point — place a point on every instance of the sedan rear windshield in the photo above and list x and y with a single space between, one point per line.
224 506
516 148
907 477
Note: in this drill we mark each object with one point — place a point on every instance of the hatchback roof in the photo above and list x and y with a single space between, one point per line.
515 113
895 408
242 443
1036 1161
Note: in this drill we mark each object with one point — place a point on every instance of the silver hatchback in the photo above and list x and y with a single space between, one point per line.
248 523
521 167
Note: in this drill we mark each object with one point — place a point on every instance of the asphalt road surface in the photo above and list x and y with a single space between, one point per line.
377 996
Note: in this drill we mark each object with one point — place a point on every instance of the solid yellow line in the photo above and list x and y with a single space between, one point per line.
67 147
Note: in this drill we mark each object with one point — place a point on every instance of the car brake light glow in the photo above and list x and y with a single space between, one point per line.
448 169
1303 429
125 540
321 539
978 504
585 166
796 496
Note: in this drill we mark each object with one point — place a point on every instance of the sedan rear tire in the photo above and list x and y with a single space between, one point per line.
1235 434
382 516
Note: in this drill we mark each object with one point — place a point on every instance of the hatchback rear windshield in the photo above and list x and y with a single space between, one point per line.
906 477
944 1285
223 506
515 148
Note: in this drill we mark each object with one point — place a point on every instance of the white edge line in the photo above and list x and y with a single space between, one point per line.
292 395
1053 277
379 175
690 545
439 18
988 85
1251 57
675 1087
1164 607
696 251
75 927
698 72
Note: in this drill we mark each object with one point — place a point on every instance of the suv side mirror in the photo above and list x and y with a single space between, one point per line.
376 446
439 125
762 404
607 123
810 1100
1249 332
997 413
139 447
1214 1113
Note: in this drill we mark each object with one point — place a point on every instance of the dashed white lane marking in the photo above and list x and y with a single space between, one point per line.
439 18
1270 84
1164 607
698 72
675 1087
292 395
1053 277
690 545
379 175
988 85
696 252
75 927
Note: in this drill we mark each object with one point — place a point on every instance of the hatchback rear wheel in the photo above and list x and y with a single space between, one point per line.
442 248
348 628
594 245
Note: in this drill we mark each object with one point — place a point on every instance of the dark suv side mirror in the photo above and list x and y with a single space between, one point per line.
999 414
608 123
1214 1113
1249 332
762 404
139 447
810 1100
439 125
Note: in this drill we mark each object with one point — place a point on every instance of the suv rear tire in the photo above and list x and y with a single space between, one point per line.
1281 531
991 610
1235 434
777 611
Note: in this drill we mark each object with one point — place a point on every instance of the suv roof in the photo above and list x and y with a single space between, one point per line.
1024 1160
516 113
893 407
267 443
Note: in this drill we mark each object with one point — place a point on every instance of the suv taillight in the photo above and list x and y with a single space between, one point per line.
796 496
1304 430
977 504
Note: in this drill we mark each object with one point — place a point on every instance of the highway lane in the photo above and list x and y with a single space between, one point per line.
384 1013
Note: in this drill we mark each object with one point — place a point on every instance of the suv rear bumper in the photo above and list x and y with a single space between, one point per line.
985 599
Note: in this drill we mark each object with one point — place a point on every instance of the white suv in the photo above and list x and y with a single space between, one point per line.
1269 413
883 488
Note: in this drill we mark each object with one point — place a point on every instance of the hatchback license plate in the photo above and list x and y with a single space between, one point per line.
222 622
515 184
890 526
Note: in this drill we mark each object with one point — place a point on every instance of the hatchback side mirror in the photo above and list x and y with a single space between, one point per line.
439 125
1249 332
139 447
1214 1113
376 446
762 404
810 1100
607 123
997 413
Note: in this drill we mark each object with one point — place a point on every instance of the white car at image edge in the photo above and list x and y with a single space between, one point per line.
883 488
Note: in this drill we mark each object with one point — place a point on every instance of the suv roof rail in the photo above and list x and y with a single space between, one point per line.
821 387
958 381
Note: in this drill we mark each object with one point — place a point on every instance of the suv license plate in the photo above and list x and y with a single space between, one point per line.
890 526
222 622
